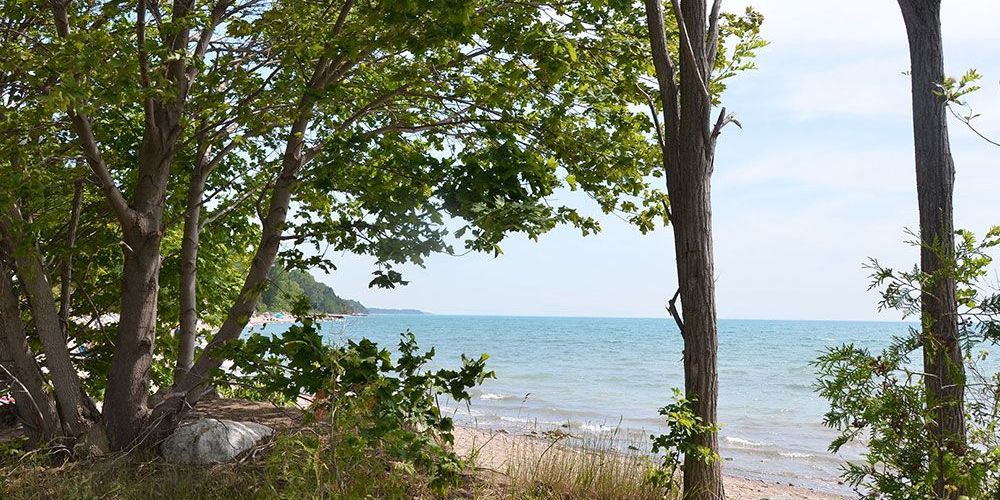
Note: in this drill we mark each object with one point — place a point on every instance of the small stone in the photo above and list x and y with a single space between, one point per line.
209 441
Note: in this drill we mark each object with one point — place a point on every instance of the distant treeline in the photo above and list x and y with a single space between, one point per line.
287 285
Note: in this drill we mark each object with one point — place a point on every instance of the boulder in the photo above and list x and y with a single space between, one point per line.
210 441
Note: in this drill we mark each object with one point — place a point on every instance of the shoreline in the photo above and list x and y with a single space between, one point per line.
500 451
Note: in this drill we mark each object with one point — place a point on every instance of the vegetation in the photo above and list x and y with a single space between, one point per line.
881 398
285 286
215 150
217 137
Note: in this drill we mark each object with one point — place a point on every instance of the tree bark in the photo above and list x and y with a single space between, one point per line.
76 417
186 393
935 169
188 331
35 407
127 393
128 380
66 277
688 153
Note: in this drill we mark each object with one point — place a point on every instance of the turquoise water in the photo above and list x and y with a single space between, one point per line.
590 375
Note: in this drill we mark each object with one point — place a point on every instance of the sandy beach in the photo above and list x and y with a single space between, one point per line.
498 450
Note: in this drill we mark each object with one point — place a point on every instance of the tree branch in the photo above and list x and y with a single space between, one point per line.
686 44
672 307
92 153
712 44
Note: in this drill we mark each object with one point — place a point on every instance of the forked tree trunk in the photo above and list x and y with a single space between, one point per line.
186 392
945 380
688 155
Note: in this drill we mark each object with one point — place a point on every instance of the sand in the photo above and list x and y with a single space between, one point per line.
494 450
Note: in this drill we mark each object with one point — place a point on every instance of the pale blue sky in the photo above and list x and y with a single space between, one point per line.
820 178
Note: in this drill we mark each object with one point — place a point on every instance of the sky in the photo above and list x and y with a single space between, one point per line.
819 179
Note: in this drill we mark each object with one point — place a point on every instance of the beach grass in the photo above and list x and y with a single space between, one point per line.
556 464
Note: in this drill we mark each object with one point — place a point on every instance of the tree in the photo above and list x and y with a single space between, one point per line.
945 380
687 141
256 130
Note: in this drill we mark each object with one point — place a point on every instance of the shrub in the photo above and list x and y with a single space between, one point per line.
375 409
881 397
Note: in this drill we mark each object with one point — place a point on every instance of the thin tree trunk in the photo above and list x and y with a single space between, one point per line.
695 260
945 383
35 407
66 278
188 391
189 275
76 418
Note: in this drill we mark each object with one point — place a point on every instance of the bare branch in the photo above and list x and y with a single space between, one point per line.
92 153
672 307
655 115
712 44
686 44
65 289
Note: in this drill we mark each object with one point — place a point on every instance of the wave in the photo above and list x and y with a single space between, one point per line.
792 454
744 442
524 420
493 395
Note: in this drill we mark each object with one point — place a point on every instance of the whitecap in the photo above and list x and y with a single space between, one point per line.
493 395
744 442
793 454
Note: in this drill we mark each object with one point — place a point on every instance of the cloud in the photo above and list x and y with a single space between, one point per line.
859 88
847 24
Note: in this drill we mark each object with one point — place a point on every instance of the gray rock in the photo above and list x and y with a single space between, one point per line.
209 441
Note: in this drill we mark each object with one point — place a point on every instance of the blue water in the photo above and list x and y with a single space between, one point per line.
594 374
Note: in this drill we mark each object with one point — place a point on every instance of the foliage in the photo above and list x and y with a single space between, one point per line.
879 398
679 443
376 406
285 286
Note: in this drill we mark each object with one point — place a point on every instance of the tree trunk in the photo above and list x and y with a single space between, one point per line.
66 278
128 380
187 392
688 153
75 413
127 392
35 407
189 275
945 380
692 210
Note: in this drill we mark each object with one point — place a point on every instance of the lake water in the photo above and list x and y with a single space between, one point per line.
588 375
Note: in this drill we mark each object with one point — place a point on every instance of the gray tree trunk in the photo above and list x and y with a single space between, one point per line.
189 275
945 380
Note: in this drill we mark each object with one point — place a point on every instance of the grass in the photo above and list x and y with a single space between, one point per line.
295 466
298 466
557 465
313 461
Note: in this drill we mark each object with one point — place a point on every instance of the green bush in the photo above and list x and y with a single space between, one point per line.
880 397
377 412
685 425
